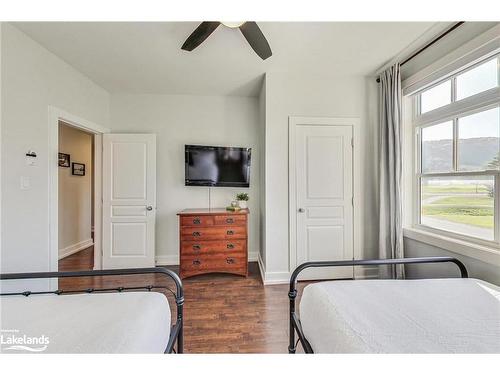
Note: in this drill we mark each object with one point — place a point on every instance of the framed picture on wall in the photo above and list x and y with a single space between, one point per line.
64 160
78 169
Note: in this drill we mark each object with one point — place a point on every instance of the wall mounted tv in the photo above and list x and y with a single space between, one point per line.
217 166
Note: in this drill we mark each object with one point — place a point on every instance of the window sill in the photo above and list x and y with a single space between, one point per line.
485 254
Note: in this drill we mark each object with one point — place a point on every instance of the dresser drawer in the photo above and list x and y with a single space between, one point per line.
196 221
213 233
213 246
230 219
213 263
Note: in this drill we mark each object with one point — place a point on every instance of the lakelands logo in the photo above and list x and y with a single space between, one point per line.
13 340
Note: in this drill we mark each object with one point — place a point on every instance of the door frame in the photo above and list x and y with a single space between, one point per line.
56 115
293 123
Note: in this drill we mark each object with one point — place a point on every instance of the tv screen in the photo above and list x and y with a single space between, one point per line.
217 166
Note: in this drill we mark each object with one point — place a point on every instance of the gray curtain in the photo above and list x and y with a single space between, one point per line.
390 171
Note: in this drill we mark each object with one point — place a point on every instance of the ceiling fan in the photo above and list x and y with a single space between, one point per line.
249 29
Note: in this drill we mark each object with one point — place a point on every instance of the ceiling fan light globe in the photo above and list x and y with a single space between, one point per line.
233 25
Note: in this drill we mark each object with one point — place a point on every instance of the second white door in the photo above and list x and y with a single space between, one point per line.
324 197
129 200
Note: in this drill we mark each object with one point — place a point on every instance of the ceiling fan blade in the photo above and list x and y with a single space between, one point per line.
256 39
199 35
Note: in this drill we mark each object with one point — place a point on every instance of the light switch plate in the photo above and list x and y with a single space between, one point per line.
25 183
30 161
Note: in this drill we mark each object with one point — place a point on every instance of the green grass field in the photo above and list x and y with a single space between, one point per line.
476 211
483 200
444 189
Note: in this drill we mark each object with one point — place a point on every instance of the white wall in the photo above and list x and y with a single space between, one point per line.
75 192
476 268
310 95
178 120
1 122
32 80
262 176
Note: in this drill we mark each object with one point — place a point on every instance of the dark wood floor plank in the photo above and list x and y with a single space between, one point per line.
223 313
81 261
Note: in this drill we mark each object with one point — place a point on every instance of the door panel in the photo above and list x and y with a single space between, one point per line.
324 153
128 239
129 211
325 212
129 200
129 160
324 190
318 236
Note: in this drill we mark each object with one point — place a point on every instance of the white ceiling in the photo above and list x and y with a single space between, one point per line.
140 57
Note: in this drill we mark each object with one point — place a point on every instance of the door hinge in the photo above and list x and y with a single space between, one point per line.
352 142
352 201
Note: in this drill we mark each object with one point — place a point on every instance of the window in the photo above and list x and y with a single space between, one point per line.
478 79
458 154
459 204
437 148
436 97
478 141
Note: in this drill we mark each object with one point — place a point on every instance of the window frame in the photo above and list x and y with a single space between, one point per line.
476 103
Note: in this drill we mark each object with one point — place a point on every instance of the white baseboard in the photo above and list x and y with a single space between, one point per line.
72 249
262 268
167 260
173 260
253 256
272 278
361 273
275 278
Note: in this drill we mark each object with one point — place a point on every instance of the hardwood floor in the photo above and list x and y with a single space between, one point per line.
222 313
81 261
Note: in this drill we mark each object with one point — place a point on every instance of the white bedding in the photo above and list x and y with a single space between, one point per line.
402 316
131 322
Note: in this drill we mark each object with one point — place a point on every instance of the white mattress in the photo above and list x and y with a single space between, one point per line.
128 322
402 316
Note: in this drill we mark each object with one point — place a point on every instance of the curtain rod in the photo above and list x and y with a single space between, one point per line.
439 37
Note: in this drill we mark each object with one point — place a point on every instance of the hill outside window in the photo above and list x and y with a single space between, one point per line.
457 130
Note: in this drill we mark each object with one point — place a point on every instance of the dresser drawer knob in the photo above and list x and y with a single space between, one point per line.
230 232
196 221
229 260
196 262
230 220
196 247
230 246
196 234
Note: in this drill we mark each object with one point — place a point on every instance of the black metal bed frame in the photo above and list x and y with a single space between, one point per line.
295 324
176 331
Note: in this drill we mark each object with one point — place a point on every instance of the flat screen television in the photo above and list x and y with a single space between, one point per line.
217 166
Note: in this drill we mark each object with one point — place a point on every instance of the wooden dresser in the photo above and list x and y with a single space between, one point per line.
213 240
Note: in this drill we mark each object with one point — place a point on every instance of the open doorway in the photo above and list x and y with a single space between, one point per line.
76 196
56 116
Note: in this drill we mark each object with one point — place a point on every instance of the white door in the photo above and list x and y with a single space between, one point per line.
324 198
129 200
